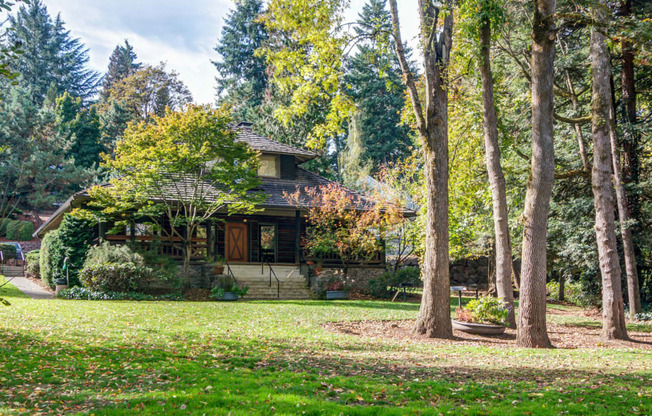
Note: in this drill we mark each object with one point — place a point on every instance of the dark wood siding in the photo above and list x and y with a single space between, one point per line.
286 236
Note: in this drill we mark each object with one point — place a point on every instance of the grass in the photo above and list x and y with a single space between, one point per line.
120 357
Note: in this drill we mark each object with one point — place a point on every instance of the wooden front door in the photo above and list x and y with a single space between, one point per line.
236 242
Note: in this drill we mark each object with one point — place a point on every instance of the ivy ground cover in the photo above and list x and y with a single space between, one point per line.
273 358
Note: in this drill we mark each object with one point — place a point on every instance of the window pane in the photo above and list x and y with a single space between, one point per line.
268 166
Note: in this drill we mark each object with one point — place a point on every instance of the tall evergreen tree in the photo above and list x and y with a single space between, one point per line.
81 126
374 82
122 64
242 76
52 59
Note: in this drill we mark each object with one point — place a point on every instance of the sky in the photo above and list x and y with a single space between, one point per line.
180 33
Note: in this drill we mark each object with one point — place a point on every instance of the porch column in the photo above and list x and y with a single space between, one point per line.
209 240
297 236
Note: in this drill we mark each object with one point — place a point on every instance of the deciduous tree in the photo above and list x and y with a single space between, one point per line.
183 168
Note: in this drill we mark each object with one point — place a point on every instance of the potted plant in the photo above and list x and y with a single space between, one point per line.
335 289
218 265
483 316
227 289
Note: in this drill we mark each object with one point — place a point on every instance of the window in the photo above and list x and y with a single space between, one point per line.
269 166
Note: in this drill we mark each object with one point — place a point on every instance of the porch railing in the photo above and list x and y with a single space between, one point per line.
165 246
264 260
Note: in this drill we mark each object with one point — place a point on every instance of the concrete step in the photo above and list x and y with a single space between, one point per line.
11 271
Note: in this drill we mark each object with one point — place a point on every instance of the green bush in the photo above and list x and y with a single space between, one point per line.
33 267
8 251
115 277
72 239
13 229
574 292
105 253
3 226
386 285
488 310
19 230
81 293
51 258
26 230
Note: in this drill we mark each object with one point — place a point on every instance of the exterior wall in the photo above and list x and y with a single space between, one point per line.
357 279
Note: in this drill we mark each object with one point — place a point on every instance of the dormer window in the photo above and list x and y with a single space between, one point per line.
269 166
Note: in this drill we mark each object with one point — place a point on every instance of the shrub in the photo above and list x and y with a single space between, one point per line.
388 283
105 253
8 251
116 277
484 310
3 226
82 293
33 267
51 258
574 293
19 230
72 239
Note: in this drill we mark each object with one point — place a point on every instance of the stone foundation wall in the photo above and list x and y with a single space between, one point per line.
357 279
463 272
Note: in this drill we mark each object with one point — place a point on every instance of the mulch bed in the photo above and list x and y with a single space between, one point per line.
561 336
197 295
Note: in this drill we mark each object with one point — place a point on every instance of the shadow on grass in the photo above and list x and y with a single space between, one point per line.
254 377
346 304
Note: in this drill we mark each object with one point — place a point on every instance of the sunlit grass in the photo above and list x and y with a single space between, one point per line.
110 358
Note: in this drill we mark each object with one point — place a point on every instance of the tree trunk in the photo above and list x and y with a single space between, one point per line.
434 314
432 125
634 296
628 207
613 315
532 307
562 284
631 142
503 250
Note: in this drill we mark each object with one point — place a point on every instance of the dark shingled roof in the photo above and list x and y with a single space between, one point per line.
266 145
274 188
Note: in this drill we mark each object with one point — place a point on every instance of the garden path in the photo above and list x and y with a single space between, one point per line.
30 288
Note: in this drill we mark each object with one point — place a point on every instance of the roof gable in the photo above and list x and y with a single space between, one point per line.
267 145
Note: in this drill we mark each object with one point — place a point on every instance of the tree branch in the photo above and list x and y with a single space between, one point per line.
408 77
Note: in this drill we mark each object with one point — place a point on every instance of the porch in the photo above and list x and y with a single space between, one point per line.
248 239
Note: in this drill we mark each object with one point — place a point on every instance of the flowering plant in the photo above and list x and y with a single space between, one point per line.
486 310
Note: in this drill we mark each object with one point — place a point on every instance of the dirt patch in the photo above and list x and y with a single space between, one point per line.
197 295
561 336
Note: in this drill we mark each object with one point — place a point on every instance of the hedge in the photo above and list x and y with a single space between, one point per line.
17 230
33 267
3 226
72 239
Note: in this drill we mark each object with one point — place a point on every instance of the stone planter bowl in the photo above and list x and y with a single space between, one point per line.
337 295
478 329
228 297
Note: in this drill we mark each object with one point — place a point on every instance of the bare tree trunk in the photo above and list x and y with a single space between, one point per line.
613 314
578 126
503 249
631 144
432 125
634 295
562 284
628 207
532 330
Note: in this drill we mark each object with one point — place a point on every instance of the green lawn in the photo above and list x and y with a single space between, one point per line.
109 358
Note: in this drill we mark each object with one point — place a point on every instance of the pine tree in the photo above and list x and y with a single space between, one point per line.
242 76
122 64
36 169
374 79
81 126
51 58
